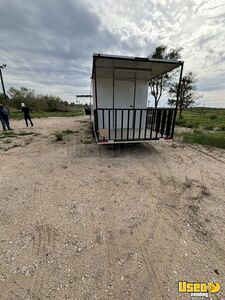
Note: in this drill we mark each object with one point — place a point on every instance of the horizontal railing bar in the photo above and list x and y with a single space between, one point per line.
141 139
135 108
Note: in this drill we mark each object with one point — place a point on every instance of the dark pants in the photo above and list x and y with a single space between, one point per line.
28 118
5 123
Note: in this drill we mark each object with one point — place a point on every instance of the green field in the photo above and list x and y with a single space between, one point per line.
18 115
204 118
208 127
213 139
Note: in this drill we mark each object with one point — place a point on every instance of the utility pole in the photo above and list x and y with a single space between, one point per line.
3 87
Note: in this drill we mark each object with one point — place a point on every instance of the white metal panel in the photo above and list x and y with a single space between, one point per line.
123 94
123 98
141 97
105 99
105 93
141 94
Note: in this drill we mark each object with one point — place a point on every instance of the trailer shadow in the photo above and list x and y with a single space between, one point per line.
79 150
135 150
116 150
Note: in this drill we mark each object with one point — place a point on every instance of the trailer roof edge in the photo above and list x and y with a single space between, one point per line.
133 58
147 59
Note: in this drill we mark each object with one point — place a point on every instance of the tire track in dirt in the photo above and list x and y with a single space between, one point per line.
21 222
178 152
27 214
44 241
197 162
114 248
197 149
197 226
151 271
175 190
110 229
33 207
164 217
26 210
204 192
167 188
111 247
154 277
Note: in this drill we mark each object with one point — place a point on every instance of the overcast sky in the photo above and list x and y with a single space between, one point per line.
48 44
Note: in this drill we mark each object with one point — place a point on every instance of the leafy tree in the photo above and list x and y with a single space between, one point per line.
188 94
23 93
20 95
37 102
159 84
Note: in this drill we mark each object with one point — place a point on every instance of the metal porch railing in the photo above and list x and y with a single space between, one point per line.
121 124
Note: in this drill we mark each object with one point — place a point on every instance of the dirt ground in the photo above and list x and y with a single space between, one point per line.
85 221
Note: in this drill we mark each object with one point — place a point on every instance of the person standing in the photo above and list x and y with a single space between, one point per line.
26 112
4 116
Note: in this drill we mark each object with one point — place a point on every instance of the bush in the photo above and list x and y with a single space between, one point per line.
197 131
59 136
213 117
67 131
192 124
181 122
46 103
208 127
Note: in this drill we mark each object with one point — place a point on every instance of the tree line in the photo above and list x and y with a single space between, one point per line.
37 102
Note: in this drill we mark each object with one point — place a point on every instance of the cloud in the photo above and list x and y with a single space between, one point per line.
48 45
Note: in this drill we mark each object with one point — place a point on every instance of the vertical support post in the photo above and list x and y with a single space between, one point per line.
115 110
163 122
3 87
168 123
140 124
135 86
109 123
178 97
158 121
96 97
146 122
122 125
134 123
152 122
103 118
134 100
128 123
113 93
91 92
95 122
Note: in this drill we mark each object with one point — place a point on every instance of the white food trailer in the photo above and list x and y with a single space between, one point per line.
120 91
